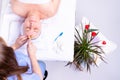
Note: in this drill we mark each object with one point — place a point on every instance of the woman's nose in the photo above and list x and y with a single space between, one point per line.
32 24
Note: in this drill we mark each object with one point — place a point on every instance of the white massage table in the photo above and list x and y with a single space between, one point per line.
50 46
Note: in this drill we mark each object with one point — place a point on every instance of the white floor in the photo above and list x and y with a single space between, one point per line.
110 71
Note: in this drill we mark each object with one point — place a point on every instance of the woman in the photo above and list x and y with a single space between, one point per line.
33 13
17 66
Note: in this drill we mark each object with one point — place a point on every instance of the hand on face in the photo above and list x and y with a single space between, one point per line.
21 40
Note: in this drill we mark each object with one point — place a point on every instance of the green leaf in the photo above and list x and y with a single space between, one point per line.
91 30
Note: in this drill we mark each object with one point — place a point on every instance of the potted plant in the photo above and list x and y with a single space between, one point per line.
86 47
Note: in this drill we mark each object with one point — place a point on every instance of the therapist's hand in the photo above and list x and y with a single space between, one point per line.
31 48
21 40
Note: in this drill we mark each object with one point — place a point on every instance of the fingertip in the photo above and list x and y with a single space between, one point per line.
29 40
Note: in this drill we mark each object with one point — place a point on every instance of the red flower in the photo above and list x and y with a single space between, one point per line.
104 42
87 27
93 34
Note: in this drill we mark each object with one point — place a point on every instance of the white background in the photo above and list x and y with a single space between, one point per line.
105 14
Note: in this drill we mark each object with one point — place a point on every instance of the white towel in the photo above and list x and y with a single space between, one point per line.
35 1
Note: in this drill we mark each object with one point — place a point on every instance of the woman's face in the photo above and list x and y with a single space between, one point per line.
32 27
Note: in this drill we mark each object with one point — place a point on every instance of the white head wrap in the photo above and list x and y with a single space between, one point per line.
35 1
21 29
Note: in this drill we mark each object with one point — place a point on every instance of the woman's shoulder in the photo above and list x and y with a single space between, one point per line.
19 54
19 8
22 59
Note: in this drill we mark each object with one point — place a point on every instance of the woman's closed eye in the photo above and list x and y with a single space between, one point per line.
27 28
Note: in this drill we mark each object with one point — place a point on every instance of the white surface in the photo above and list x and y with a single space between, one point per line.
48 49
35 1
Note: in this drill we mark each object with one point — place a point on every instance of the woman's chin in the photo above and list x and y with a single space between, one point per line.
34 37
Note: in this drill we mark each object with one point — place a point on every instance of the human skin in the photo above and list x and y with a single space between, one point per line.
32 27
